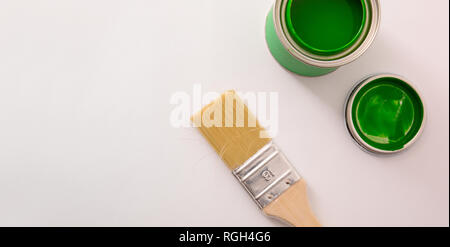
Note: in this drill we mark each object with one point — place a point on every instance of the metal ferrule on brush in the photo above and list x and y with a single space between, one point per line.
266 175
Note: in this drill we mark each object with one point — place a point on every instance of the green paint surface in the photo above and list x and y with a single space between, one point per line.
325 27
387 113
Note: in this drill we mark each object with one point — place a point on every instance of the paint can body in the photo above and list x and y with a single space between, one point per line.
384 114
309 46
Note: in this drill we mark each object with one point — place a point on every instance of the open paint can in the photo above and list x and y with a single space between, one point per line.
315 37
384 114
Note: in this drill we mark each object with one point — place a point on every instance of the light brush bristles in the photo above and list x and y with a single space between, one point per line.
231 129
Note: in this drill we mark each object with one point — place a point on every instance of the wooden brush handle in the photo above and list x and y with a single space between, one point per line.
293 207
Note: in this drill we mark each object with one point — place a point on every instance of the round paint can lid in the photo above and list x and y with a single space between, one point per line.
385 114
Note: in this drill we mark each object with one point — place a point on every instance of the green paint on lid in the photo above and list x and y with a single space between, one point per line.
387 113
325 27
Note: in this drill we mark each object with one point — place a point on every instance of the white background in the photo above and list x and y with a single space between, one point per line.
85 137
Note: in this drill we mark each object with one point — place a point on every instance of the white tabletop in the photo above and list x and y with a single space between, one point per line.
85 136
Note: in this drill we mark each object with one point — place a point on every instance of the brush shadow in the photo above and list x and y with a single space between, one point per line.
278 222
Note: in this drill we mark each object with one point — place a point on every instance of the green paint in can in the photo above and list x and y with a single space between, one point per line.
385 114
325 26
315 37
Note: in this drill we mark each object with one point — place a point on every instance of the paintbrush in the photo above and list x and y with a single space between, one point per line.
257 163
